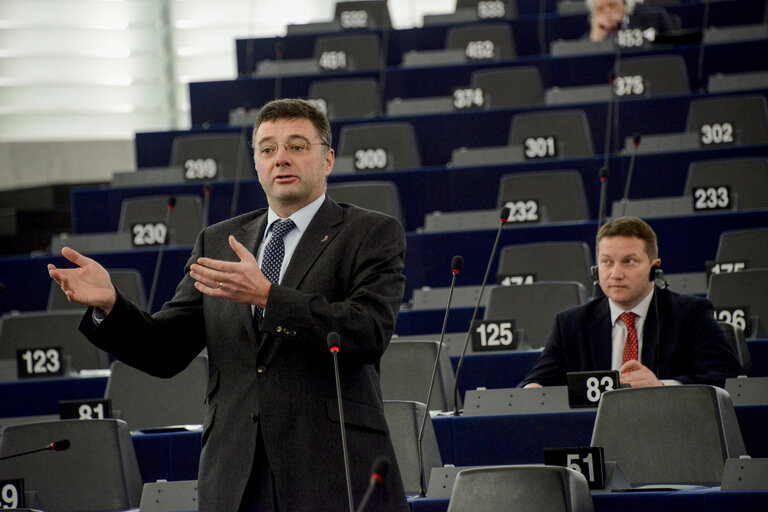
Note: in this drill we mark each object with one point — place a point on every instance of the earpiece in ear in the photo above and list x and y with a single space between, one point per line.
593 273
655 270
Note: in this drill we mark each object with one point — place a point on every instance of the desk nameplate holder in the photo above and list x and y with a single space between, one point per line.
441 480
163 496
488 402
745 474
748 391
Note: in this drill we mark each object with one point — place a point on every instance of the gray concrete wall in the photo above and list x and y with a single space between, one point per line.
24 164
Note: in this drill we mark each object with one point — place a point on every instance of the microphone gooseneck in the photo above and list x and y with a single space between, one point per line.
334 341
503 220
56 446
603 196
624 200
457 264
160 251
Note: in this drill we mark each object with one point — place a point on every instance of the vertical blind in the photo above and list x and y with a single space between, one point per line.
89 69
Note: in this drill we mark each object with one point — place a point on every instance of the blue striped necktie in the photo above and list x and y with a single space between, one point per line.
272 259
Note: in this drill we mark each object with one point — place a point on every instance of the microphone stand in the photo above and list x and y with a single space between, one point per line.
603 196
333 345
456 266
503 220
625 199
160 251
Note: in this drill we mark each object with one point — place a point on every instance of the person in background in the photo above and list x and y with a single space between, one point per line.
652 336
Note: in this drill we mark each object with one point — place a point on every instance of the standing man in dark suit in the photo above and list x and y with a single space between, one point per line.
652 336
271 438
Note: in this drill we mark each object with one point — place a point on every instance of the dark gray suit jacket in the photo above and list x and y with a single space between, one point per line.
687 345
345 276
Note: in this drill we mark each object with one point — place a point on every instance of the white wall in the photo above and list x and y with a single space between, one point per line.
79 77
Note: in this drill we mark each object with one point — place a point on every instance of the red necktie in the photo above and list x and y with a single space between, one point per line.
630 345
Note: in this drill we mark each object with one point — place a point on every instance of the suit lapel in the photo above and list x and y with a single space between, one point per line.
650 335
318 235
600 340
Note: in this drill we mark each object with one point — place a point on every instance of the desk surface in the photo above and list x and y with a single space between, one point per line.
700 500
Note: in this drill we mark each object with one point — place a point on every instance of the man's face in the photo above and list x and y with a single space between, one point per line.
291 181
608 9
624 269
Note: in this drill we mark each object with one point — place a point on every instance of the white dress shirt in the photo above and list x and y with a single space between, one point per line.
619 333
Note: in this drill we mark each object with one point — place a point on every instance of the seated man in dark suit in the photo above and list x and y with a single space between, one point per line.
652 336
606 17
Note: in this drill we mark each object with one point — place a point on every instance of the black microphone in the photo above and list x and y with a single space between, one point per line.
159 262
603 196
541 27
700 62
379 472
233 204
635 142
456 266
206 203
503 220
334 341
384 51
56 446
609 116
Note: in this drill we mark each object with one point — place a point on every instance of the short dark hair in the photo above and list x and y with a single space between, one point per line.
634 228
292 108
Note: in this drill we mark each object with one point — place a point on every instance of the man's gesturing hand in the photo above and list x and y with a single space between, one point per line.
87 284
240 281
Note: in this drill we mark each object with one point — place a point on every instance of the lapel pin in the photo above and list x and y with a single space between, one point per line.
325 239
